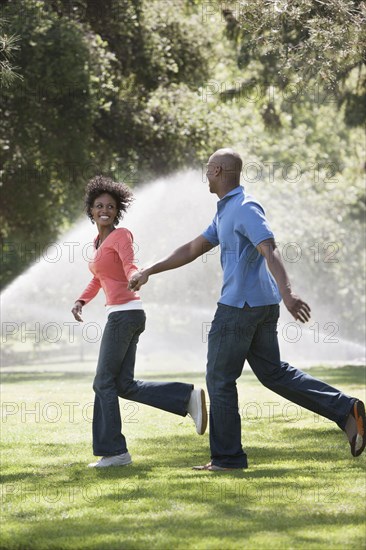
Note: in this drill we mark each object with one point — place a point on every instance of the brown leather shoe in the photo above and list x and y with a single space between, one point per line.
355 428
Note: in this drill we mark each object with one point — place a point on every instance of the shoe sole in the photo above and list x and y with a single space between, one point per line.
212 468
204 414
95 465
115 465
358 442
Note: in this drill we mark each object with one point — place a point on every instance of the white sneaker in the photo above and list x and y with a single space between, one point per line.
197 410
117 460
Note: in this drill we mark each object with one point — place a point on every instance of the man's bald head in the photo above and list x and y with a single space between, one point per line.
224 170
228 159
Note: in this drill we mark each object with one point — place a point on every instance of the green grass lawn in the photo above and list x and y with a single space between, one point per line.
303 489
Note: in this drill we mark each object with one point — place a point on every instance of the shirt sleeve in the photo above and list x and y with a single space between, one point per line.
91 291
125 250
211 233
254 223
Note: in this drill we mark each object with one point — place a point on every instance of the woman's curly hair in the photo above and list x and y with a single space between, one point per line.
119 191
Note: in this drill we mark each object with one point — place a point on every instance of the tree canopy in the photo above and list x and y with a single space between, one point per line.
97 82
304 47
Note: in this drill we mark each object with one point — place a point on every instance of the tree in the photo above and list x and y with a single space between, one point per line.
90 71
302 44
8 45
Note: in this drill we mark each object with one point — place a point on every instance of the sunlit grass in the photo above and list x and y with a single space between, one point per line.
302 489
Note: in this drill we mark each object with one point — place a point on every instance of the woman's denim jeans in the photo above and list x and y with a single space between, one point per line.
251 333
115 378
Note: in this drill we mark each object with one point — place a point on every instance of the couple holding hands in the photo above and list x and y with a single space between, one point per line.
243 328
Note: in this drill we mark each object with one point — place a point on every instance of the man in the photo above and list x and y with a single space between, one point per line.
244 326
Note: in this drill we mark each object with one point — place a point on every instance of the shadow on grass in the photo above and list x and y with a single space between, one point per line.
162 532
159 502
182 513
22 477
183 452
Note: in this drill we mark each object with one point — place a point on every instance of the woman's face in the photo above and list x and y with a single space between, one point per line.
104 210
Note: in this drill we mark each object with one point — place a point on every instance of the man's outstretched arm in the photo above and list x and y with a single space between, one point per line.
296 306
181 256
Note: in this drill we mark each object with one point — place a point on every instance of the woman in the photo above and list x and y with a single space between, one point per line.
112 268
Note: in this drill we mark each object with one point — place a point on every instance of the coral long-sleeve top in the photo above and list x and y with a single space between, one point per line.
112 266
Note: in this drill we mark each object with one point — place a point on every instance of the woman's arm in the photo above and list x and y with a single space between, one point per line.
89 293
124 247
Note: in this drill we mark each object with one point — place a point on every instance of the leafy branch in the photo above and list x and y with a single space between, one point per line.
8 45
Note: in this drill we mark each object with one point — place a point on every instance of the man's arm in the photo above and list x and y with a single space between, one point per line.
297 307
181 256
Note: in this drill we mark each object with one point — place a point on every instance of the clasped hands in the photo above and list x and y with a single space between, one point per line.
138 279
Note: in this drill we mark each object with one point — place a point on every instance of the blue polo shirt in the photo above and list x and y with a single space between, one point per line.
238 227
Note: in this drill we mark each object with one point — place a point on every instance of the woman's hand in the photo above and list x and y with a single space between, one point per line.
77 310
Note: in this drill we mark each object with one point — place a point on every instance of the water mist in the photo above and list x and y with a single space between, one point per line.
37 324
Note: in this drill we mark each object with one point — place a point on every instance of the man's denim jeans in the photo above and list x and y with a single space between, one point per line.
115 377
251 333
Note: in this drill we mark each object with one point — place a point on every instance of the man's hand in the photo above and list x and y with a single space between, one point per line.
77 310
138 279
298 309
